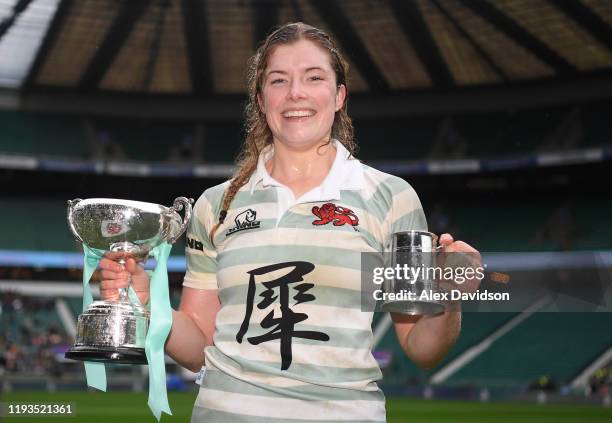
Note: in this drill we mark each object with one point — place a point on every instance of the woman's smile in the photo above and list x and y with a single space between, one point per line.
298 114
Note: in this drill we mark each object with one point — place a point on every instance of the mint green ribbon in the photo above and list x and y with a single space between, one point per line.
159 327
161 322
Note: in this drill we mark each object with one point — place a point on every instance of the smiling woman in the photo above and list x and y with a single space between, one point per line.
297 84
272 302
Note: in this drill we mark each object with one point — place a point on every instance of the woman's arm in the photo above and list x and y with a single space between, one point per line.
193 324
193 327
427 339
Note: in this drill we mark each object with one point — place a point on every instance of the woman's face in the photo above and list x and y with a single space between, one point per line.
299 94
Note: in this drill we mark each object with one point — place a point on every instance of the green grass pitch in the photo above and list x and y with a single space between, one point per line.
132 407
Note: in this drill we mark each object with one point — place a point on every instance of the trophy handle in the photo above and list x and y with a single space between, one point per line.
179 204
71 204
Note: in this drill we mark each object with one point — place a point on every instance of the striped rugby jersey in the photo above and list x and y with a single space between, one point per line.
291 343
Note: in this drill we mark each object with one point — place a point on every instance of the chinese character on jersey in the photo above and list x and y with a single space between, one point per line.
283 327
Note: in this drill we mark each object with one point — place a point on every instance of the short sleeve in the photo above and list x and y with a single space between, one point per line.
406 210
201 255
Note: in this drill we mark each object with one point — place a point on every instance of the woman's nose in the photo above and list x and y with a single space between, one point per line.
296 90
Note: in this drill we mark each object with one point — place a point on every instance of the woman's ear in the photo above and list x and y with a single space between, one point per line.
340 96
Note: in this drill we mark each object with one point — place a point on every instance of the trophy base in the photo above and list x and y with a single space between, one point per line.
413 307
117 355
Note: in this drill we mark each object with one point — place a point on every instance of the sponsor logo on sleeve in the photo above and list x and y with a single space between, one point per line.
194 244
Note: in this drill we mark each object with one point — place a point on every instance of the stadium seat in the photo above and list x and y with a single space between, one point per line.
554 344
42 135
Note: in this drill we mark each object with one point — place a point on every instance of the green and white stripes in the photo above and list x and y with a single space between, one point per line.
327 380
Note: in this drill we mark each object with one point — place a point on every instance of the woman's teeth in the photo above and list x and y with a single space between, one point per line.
297 113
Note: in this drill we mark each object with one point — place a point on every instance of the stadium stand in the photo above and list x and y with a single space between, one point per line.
222 141
48 234
481 135
545 349
22 133
531 235
538 229
395 139
75 304
484 132
508 236
597 123
475 326
545 224
593 233
144 140
31 331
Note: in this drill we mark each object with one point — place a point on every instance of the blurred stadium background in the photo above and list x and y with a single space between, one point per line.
498 112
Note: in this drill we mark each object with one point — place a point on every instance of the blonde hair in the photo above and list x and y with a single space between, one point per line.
258 134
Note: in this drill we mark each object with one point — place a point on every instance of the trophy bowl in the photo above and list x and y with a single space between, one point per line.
115 330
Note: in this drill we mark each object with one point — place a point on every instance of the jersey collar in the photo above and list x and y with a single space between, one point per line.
345 174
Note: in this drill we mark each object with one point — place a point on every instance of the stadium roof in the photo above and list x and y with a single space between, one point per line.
201 46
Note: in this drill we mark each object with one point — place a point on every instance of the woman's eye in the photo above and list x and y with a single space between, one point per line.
316 78
276 81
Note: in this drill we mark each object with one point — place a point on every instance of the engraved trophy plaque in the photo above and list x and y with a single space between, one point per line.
416 250
115 330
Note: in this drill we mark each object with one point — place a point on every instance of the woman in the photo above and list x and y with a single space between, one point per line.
274 255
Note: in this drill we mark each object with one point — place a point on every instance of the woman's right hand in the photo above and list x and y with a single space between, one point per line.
114 276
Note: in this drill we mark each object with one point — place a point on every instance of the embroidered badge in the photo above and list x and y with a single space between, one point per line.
329 212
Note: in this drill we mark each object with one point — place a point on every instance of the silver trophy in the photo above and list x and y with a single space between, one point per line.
115 331
414 250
